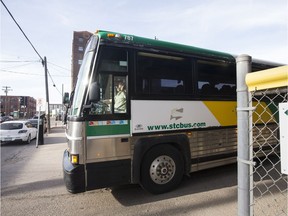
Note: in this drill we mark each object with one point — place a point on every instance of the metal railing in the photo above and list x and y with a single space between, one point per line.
262 186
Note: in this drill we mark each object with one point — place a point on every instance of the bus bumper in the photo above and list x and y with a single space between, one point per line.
74 175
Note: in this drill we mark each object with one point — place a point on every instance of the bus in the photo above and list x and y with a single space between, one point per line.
148 112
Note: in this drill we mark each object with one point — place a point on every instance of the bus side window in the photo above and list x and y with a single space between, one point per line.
163 75
216 78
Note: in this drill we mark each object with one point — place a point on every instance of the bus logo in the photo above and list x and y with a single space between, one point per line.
176 114
138 127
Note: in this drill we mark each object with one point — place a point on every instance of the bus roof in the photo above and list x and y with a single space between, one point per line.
154 43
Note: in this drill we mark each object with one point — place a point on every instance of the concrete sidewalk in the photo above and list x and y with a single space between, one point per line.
23 165
56 135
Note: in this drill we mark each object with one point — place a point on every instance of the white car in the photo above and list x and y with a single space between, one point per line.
17 131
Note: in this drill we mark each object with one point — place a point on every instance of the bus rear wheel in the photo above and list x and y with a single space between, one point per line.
162 169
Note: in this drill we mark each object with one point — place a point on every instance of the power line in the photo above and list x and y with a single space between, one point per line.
6 89
59 70
16 72
44 63
22 32
54 85
58 66
31 74
15 61
55 66
17 66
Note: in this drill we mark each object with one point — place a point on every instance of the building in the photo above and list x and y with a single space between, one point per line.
18 106
80 39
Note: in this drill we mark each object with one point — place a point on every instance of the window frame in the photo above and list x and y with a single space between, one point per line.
113 115
193 93
172 77
231 71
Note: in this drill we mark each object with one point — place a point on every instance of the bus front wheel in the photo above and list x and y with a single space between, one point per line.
162 169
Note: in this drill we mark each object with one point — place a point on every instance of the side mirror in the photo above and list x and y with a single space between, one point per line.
66 98
94 92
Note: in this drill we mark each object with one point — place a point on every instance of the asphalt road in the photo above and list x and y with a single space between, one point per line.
32 184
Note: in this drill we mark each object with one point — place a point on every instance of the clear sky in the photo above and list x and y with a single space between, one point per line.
255 27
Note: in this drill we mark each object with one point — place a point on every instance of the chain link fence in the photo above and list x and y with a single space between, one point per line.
262 185
269 186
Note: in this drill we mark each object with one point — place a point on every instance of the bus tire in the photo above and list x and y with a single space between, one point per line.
162 169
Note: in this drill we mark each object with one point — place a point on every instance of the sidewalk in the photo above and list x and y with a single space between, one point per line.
54 130
28 165
56 136
56 124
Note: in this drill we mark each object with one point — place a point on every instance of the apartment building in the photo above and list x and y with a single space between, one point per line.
80 39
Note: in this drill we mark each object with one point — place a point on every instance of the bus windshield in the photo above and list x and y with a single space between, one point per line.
83 77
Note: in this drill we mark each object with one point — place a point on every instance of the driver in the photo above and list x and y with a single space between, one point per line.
120 99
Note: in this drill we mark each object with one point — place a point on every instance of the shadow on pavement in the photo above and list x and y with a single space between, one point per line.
54 140
202 181
56 130
33 186
7 144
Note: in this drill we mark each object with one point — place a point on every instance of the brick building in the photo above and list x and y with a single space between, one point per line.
18 106
80 39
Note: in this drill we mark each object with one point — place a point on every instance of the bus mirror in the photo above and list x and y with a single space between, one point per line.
94 92
66 98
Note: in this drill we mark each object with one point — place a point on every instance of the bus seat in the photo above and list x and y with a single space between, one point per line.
179 89
226 90
207 89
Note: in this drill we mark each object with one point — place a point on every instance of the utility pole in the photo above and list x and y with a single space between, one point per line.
62 108
6 89
47 94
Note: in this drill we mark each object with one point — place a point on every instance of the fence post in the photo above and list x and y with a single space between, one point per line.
242 68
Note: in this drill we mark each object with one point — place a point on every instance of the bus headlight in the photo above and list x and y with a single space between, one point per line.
74 159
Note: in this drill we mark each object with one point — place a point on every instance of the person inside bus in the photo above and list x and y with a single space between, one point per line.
120 99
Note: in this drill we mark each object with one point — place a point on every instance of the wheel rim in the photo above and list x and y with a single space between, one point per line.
162 169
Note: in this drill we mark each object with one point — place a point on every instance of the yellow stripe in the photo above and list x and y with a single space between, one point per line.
224 111
262 114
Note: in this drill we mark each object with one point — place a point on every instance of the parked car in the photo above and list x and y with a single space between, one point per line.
17 131
34 123
42 118
5 118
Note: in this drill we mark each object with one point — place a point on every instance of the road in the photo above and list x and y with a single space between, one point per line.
32 184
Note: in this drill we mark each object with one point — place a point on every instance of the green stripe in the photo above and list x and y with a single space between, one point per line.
274 108
105 128
140 41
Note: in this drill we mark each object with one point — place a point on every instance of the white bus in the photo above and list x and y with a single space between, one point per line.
148 112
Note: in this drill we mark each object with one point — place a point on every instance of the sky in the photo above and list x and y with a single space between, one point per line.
258 28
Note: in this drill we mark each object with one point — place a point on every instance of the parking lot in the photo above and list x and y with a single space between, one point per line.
32 184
